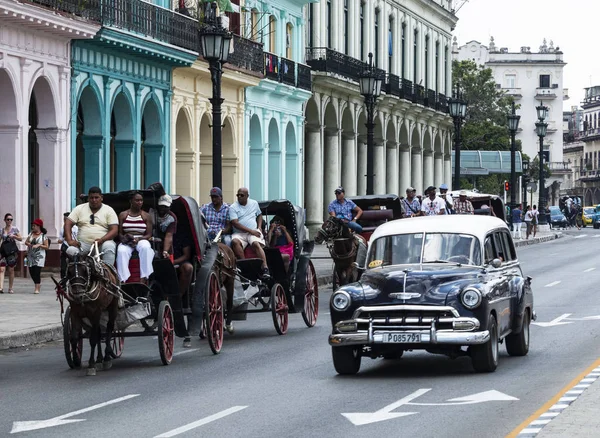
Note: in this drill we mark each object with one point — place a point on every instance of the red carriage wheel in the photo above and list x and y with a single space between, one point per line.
117 343
214 313
311 297
165 332
279 309
73 357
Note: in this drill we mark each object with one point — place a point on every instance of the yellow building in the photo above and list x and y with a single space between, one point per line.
191 131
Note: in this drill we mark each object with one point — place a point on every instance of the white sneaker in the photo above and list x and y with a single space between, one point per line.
229 328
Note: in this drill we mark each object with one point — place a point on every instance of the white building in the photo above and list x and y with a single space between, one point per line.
35 112
411 42
532 78
589 165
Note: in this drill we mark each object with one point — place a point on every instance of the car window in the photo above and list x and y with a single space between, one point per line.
509 248
490 253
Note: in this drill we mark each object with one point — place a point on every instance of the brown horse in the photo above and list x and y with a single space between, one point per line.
344 247
226 269
91 288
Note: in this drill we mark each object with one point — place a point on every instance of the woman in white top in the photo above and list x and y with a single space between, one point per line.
37 244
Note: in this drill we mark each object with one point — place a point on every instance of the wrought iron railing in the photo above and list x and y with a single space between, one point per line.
392 85
442 103
431 99
272 66
419 94
327 60
304 79
247 55
89 9
408 92
287 71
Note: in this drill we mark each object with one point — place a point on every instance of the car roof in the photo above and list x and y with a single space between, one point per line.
475 225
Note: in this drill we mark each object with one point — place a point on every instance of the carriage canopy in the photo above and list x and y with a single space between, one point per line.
292 215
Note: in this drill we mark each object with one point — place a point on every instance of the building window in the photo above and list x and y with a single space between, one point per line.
346 39
437 67
288 41
272 32
391 45
254 24
329 24
427 62
544 81
446 70
403 52
511 81
310 25
377 38
415 56
362 31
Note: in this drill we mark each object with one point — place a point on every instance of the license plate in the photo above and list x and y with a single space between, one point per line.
404 338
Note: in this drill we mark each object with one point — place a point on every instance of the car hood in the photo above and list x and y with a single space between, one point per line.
415 284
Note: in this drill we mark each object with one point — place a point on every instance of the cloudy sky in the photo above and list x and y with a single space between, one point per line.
571 24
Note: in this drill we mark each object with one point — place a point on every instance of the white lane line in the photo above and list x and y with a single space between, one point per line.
202 422
554 283
589 269
579 237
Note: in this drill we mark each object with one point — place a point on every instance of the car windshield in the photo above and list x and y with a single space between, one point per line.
589 210
418 248
555 210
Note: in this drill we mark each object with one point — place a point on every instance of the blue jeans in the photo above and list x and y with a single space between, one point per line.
354 227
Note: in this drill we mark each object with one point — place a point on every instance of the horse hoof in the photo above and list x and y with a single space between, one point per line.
187 343
91 371
107 365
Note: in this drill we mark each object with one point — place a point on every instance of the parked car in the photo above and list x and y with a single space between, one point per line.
589 213
449 285
557 218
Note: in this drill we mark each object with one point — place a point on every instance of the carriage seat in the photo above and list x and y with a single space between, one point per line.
371 219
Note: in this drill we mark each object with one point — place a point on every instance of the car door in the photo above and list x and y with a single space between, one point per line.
498 280
508 272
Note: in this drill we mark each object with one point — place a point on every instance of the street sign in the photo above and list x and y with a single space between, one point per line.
531 187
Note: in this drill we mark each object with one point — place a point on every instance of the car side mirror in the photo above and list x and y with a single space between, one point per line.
496 263
357 266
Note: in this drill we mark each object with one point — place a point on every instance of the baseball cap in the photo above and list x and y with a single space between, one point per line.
430 188
444 187
165 200
340 189
38 222
410 189
215 191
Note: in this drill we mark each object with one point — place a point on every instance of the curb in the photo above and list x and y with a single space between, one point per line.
538 240
31 337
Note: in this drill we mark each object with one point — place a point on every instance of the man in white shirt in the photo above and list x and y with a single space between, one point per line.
432 205
447 198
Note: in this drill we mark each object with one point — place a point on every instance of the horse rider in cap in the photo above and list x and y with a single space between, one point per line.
346 210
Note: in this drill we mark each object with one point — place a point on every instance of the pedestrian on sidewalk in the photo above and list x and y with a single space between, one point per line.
8 252
516 222
535 216
528 219
37 244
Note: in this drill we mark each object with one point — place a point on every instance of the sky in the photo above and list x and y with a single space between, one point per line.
571 24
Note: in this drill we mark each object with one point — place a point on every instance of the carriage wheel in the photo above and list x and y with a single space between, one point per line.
279 309
117 343
165 332
73 357
214 316
311 297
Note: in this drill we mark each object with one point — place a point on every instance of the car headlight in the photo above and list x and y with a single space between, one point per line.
471 298
341 300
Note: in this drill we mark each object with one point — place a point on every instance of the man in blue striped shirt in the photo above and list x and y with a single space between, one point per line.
345 209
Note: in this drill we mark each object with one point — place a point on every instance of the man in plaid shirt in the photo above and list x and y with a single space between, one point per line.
463 205
216 213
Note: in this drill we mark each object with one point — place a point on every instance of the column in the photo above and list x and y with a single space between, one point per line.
331 167
391 179
124 178
313 181
12 187
448 171
92 145
48 172
336 41
417 172
154 160
349 163
438 172
427 169
405 166
379 165
361 167
353 28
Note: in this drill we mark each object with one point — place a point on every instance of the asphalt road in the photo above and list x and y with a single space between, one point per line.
265 385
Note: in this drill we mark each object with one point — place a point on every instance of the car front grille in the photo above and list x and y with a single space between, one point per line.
405 317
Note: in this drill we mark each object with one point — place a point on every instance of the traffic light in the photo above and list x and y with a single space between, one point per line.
506 186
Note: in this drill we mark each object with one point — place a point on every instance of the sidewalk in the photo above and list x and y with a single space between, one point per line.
28 319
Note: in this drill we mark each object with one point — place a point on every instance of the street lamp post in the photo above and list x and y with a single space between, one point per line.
370 87
525 181
541 128
215 41
513 125
457 107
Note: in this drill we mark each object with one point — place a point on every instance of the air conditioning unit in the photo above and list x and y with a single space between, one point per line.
554 85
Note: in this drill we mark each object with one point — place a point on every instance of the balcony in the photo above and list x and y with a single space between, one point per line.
247 56
592 134
304 77
515 93
559 167
89 9
286 71
545 93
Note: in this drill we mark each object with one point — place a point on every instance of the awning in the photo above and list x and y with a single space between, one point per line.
487 162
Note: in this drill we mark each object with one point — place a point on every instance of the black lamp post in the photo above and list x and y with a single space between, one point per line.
525 181
513 125
541 128
457 107
215 42
370 87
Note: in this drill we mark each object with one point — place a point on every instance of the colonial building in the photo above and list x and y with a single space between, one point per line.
274 131
531 78
590 162
411 42
35 109
121 94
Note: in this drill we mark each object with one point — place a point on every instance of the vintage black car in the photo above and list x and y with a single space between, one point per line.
446 284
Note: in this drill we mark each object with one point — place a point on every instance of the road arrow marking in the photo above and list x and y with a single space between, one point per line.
24 426
201 422
555 321
554 283
480 397
590 269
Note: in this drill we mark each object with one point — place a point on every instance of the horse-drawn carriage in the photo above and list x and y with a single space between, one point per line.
286 291
157 305
377 210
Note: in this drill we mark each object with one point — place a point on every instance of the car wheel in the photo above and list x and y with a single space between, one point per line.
596 226
518 343
485 357
346 360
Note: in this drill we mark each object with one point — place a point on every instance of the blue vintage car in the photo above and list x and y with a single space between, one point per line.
557 218
446 284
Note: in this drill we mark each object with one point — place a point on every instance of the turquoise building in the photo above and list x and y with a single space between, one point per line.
274 128
121 94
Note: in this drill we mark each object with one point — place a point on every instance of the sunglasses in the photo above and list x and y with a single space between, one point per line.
239 195
92 219
9 219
